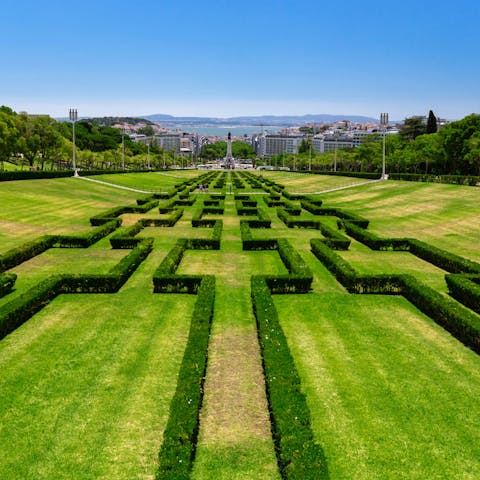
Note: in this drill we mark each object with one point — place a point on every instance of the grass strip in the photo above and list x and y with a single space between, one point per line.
177 452
298 455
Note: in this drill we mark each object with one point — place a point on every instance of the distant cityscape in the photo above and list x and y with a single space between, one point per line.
266 141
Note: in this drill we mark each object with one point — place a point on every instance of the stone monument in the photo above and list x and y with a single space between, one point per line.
229 157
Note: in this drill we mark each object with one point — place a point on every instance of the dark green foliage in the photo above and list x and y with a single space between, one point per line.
248 243
19 310
374 241
7 281
84 241
471 180
431 123
6 176
441 258
115 212
452 316
180 437
25 252
206 243
465 289
299 456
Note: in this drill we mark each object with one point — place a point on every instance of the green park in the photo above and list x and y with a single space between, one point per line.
241 325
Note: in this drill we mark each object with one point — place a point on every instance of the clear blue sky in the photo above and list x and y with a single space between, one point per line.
226 58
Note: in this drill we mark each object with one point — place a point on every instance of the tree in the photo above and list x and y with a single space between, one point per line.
431 123
146 130
29 142
8 135
412 127
304 146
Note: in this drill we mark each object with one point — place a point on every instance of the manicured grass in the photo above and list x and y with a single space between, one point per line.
235 440
154 181
86 383
31 208
445 215
392 395
310 183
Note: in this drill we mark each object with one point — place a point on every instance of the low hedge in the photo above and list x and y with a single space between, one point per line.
451 315
299 456
249 243
441 258
292 259
465 289
84 241
177 452
19 310
340 213
455 318
333 238
25 252
7 281
470 180
374 241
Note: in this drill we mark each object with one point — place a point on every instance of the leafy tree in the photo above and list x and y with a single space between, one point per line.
8 135
412 127
304 145
146 130
431 123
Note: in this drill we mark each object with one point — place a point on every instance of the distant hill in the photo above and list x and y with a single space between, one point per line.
280 120
109 121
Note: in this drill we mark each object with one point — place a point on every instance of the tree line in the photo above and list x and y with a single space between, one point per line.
420 147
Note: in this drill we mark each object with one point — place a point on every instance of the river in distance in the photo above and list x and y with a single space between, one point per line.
222 131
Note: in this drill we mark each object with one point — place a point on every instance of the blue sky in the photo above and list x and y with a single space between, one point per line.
227 58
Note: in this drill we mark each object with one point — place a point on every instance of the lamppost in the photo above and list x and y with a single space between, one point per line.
148 154
335 137
72 114
384 123
123 148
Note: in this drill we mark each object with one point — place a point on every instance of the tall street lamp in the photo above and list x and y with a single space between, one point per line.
384 123
148 154
72 114
123 148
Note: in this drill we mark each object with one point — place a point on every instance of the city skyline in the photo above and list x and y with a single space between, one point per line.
224 59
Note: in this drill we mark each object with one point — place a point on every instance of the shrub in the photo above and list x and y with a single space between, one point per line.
374 241
25 252
177 452
299 456
465 289
84 241
7 281
445 260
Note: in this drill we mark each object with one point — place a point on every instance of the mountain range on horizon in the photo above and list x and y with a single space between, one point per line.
273 120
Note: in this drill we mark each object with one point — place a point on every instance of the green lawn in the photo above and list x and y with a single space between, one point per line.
86 383
392 395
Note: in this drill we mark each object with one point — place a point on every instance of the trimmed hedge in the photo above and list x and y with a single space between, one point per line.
452 316
465 289
441 258
299 456
84 241
20 309
7 281
249 243
470 180
374 241
177 452
25 252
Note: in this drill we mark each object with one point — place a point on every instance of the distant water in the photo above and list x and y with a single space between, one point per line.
222 131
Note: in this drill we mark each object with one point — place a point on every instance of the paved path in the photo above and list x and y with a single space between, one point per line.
114 185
